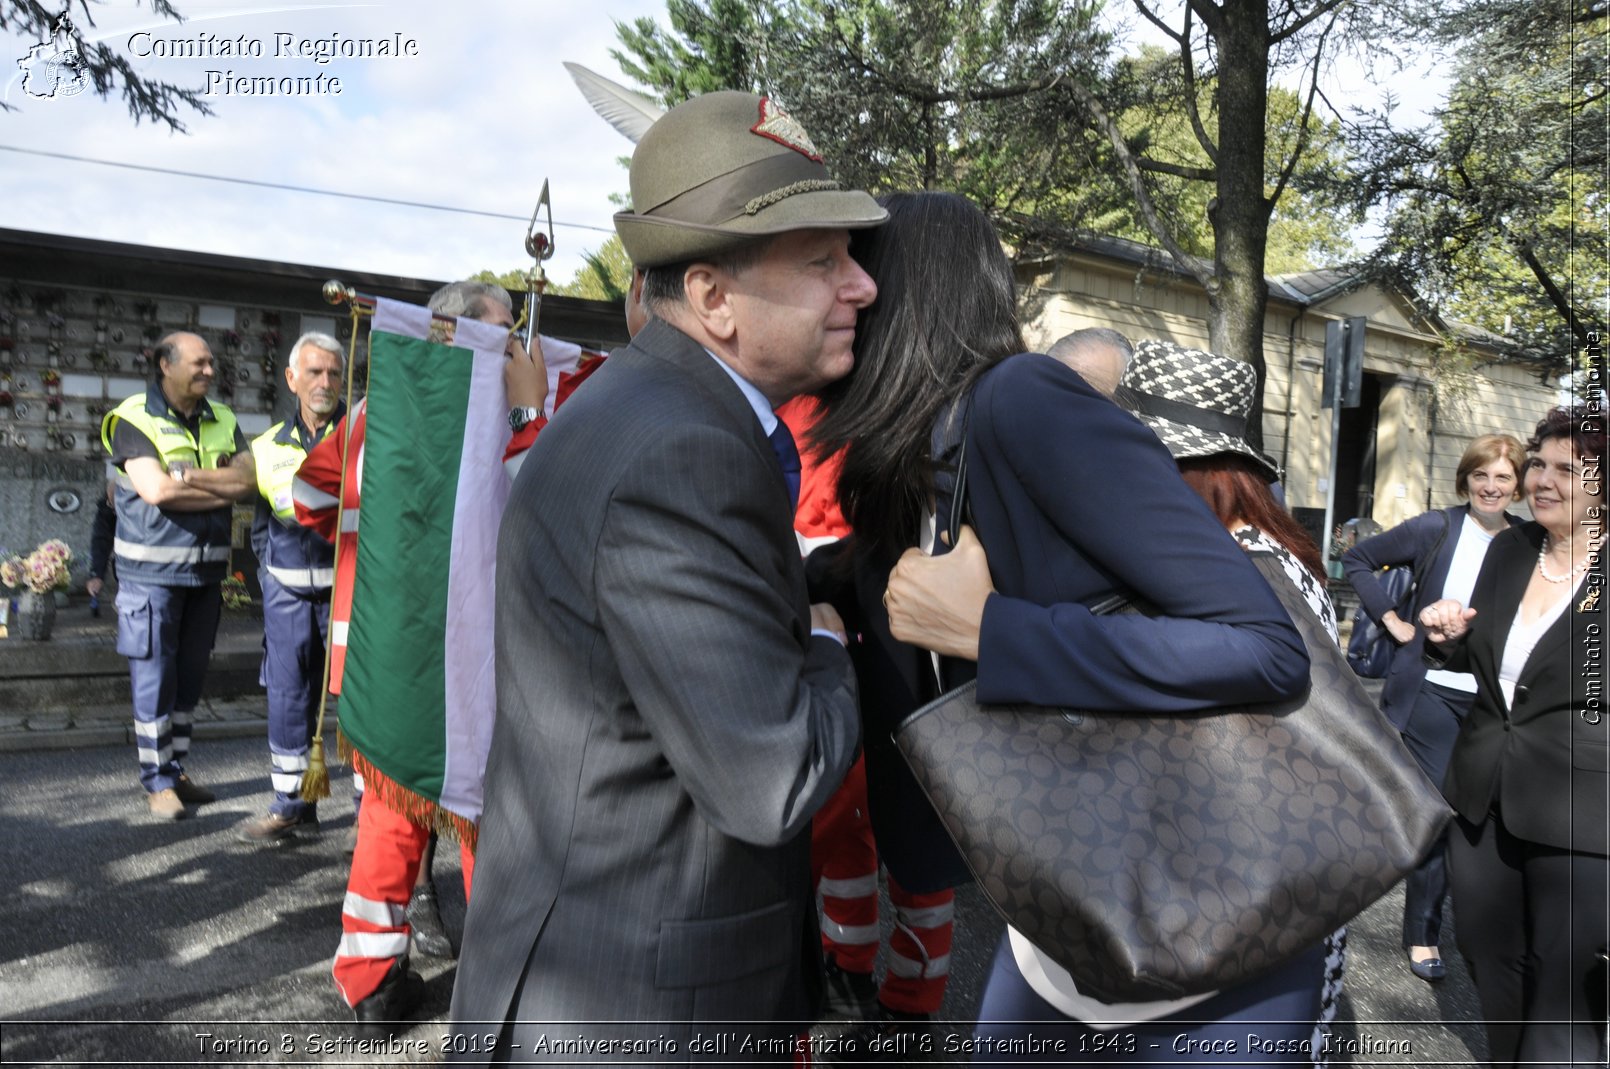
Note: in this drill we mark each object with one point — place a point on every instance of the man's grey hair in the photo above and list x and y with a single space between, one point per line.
662 285
1100 354
468 298
319 340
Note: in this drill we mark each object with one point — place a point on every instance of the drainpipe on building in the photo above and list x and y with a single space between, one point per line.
1431 447
1291 387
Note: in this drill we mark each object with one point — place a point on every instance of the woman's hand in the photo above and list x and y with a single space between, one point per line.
937 603
1401 630
1445 621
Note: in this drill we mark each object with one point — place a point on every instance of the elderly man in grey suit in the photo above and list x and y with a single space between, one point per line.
671 711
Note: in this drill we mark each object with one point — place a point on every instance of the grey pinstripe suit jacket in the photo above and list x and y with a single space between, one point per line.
666 724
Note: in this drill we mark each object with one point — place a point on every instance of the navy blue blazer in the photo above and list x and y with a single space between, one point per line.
1074 499
1410 542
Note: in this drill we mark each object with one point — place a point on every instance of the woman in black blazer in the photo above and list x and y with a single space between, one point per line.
1530 850
1445 548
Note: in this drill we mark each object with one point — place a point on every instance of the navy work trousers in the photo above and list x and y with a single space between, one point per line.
294 630
167 633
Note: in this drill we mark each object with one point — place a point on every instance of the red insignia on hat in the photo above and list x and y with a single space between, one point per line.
783 128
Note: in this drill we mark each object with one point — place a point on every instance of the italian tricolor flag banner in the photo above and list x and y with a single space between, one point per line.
417 697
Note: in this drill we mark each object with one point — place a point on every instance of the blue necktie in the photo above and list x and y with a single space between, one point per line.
782 443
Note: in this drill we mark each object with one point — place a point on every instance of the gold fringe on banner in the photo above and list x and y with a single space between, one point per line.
405 801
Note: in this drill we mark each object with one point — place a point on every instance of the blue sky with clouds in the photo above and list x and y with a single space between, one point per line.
476 120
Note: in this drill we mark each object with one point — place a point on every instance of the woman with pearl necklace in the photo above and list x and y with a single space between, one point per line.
1529 850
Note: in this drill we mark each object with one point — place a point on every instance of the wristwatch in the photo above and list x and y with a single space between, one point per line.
520 415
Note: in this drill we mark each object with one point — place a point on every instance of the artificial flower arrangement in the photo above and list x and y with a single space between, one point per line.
234 591
40 572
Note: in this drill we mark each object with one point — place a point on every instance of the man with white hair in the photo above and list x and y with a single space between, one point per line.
296 568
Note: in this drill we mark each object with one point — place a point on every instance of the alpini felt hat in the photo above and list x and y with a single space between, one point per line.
723 169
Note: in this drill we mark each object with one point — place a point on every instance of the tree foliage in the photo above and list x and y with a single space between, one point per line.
107 70
605 275
1016 104
906 94
1498 212
1308 230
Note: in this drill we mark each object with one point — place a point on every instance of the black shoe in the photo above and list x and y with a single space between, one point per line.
192 793
850 995
1430 970
887 1036
385 1012
429 937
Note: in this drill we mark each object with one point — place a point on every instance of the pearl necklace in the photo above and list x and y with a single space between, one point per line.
1542 555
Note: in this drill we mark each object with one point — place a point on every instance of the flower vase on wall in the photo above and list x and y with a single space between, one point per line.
36 615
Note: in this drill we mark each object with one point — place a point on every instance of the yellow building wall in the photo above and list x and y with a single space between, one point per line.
1418 440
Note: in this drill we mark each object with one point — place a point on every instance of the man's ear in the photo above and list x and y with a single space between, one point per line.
709 293
290 379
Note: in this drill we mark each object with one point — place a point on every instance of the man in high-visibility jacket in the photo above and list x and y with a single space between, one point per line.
296 569
182 464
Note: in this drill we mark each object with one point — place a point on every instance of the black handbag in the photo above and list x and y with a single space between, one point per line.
1371 646
1159 856
1370 649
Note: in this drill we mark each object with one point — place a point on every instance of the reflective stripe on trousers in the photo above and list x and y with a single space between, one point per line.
374 921
293 673
167 634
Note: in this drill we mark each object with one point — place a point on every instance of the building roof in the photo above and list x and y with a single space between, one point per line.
57 259
1304 289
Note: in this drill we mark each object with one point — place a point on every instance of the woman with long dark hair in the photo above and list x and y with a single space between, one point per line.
1075 500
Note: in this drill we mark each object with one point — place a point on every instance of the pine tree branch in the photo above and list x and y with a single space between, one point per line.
1304 127
1196 174
1325 8
1137 186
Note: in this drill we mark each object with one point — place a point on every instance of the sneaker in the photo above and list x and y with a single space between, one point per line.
191 793
384 1012
273 827
425 919
850 995
166 804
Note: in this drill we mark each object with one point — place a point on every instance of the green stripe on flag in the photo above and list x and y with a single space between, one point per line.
393 698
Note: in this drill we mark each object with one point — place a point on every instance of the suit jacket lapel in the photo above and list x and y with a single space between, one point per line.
1508 590
658 340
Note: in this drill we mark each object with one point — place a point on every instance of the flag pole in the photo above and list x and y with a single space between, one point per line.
539 246
316 780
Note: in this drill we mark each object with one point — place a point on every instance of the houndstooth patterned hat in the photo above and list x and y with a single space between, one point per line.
1196 402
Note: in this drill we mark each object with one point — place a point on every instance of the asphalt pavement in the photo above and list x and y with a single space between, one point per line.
130 942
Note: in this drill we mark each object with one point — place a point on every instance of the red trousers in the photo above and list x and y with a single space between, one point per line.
844 862
374 916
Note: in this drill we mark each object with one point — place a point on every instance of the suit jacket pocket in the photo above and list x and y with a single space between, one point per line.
133 625
699 953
